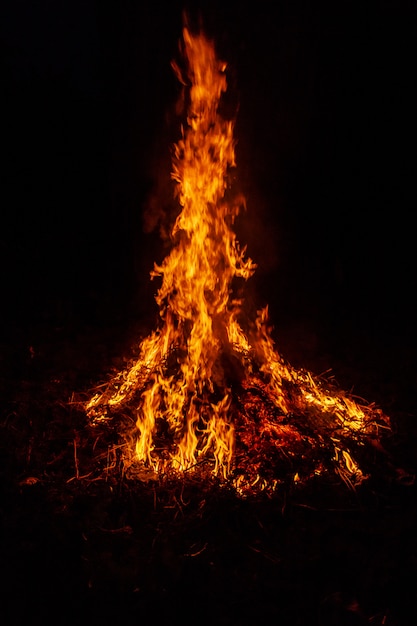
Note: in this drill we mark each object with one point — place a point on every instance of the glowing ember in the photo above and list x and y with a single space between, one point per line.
209 387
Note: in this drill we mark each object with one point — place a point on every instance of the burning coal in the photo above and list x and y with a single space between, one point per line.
209 389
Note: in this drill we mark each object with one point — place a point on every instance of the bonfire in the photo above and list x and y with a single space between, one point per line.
208 393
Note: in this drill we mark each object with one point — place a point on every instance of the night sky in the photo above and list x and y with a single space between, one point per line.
324 94
324 97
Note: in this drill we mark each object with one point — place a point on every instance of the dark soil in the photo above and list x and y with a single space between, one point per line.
83 543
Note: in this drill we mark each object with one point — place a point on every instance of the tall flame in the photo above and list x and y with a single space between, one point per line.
181 386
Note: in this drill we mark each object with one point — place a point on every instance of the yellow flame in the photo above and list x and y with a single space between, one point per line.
199 317
180 375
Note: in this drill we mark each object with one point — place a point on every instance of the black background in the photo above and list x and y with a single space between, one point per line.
325 131
324 93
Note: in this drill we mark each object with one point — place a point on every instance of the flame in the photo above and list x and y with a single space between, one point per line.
181 388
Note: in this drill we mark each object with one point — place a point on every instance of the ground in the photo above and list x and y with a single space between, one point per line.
80 541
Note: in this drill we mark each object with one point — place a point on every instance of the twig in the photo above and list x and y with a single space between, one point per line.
77 470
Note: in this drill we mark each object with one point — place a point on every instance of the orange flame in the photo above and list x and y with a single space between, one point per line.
182 376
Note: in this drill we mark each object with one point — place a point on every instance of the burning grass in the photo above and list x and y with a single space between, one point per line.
209 388
85 528
271 448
